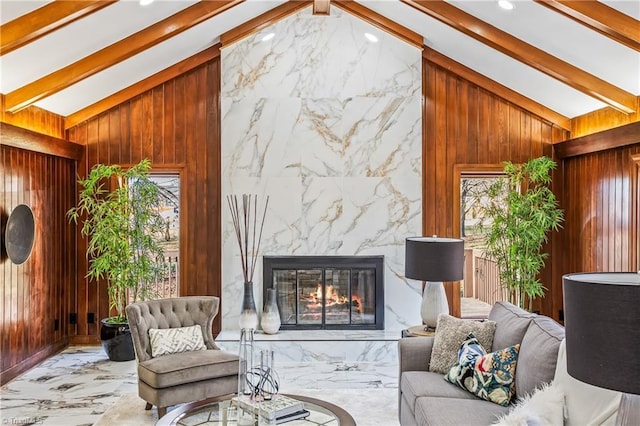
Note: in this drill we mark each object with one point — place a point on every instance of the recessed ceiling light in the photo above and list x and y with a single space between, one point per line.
145 2
505 4
371 37
268 37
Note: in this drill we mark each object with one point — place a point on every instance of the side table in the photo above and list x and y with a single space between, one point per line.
417 331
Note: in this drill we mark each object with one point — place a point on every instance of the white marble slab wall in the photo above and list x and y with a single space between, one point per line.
328 124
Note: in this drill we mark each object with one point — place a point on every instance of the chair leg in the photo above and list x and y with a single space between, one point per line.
162 411
148 406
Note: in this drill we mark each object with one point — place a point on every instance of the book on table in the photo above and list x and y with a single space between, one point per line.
276 407
293 416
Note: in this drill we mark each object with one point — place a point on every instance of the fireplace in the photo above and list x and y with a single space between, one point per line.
327 292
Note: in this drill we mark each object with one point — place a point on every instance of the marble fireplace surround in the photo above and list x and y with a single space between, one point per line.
329 125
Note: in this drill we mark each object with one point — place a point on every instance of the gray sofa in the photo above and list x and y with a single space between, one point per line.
425 398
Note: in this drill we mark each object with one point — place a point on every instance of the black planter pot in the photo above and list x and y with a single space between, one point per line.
116 341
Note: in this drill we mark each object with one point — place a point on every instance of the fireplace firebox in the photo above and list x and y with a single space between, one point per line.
327 292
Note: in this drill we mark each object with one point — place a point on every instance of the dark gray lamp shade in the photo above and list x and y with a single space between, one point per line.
602 325
434 259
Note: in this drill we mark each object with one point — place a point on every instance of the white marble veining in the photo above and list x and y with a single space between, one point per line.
76 386
328 125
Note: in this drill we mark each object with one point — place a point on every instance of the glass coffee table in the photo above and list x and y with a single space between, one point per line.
220 412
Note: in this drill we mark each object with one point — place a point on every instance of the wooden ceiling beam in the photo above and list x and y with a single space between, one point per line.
599 17
46 19
18 137
141 86
527 54
115 53
626 135
496 88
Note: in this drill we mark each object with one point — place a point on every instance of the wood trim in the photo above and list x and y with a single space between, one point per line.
496 88
634 256
142 86
18 137
628 134
292 6
527 54
475 169
46 19
599 17
321 7
115 53
35 359
382 22
263 21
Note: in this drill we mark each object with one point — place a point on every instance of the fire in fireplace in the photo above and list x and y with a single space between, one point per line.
327 292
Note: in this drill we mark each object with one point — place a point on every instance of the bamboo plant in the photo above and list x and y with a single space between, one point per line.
124 228
522 210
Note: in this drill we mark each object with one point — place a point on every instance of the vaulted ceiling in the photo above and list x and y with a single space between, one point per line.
567 57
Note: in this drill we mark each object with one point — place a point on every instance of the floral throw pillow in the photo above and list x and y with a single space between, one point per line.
469 352
488 376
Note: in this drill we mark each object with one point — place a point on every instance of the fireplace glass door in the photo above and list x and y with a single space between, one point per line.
327 297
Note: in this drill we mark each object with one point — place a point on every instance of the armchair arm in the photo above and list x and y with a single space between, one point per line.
414 353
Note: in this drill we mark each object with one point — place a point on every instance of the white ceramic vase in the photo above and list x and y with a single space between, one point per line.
270 321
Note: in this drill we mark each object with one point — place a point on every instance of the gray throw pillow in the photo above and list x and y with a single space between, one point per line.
450 333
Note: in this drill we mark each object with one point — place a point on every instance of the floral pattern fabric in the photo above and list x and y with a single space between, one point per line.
488 376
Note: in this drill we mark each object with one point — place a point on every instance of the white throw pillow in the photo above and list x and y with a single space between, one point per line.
544 407
586 405
175 340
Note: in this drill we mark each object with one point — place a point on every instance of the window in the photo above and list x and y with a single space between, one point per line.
169 185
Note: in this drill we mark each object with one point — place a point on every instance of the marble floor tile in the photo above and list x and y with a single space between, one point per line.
76 386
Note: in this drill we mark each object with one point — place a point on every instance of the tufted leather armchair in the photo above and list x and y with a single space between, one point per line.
180 377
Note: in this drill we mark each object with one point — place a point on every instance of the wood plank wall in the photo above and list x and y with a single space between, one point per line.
39 292
602 119
465 124
175 125
600 200
34 118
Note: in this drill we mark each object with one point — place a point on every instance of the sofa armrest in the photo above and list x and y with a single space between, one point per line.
414 353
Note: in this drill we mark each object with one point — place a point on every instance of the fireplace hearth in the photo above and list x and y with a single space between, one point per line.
327 292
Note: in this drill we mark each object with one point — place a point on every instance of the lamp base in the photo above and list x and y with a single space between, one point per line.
434 303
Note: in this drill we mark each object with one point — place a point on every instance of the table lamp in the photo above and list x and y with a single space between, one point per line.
602 325
434 260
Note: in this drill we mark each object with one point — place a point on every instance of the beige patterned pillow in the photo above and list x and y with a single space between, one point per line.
450 333
175 340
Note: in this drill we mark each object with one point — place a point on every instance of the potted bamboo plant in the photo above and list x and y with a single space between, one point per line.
521 209
119 211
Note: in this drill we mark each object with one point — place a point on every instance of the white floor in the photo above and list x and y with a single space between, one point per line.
78 385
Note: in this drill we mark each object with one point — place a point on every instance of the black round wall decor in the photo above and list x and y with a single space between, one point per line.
19 234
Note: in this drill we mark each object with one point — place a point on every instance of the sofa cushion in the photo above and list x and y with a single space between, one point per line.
538 354
187 367
166 341
511 324
417 384
455 411
450 333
